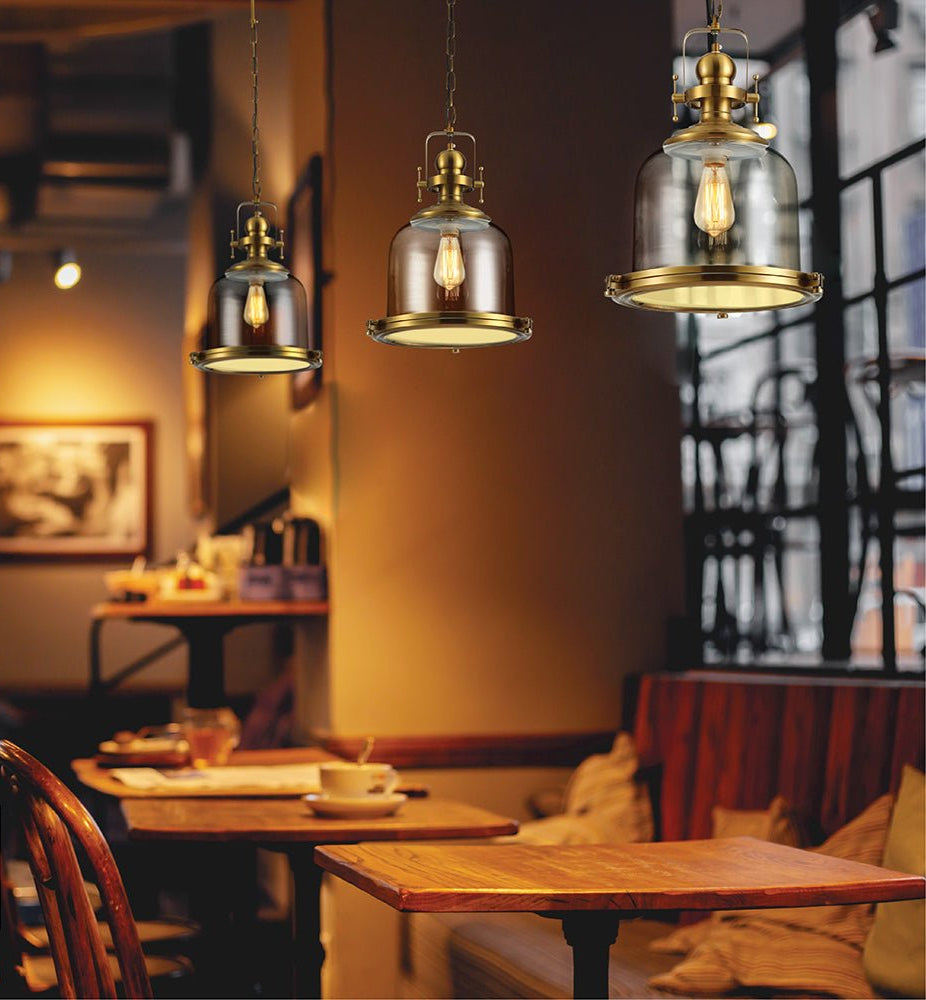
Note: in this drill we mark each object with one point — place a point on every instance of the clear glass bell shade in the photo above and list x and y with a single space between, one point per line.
450 287
715 234
257 326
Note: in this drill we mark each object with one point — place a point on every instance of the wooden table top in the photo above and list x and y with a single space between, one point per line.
735 873
290 821
92 774
167 610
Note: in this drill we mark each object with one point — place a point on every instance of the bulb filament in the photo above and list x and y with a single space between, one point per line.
449 271
713 211
256 312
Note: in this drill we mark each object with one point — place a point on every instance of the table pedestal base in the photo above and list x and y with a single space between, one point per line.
590 934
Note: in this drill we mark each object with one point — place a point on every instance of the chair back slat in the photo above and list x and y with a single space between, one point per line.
52 819
68 913
43 876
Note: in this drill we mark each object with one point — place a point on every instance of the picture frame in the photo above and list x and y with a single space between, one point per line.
304 222
75 490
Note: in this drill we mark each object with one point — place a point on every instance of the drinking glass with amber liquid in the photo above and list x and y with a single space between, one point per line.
212 734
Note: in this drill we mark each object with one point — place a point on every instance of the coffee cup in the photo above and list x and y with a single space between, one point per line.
345 779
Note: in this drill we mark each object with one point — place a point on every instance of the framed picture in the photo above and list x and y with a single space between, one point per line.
75 490
305 262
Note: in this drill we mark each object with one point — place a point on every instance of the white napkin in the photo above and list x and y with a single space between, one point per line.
298 777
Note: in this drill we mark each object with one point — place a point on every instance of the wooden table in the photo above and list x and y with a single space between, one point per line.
591 888
203 625
288 825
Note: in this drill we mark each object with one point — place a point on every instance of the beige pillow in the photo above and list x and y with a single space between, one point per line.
776 824
604 804
815 949
895 953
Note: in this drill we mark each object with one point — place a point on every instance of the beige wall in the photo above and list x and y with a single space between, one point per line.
115 347
107 349
504 523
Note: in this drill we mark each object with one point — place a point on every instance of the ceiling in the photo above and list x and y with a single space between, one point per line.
64 22
94 144
766 23
91 137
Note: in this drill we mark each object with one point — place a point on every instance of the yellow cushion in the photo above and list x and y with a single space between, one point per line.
776 824
816 949
895 953
604 804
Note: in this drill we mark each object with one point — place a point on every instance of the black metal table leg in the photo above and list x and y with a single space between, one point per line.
206 672
590 934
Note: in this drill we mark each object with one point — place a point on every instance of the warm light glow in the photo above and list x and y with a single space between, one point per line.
67 275
256 312
713 210
449 271
255 366
767 130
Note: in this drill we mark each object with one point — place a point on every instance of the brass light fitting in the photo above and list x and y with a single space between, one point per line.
258 317
451 281
716 226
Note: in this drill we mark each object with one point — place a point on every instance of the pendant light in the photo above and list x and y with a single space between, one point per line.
716 209
257 318
451 278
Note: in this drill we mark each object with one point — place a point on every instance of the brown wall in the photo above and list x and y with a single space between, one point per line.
504 524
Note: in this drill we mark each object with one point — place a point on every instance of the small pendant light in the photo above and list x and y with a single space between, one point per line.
451 277
257 319
716 210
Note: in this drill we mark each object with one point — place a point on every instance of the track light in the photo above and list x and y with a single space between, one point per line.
67 269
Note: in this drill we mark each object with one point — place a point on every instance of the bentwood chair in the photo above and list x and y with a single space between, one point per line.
51 821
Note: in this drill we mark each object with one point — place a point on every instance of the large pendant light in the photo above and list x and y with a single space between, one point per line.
257 320
716 209
451 278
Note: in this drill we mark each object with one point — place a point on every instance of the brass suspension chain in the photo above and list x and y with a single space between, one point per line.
255 131
714 14
450 51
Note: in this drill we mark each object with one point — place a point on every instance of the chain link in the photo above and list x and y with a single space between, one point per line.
255 132
451 74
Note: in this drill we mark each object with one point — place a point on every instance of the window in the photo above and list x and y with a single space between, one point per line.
750 446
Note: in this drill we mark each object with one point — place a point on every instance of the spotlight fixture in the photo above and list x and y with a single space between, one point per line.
451 278
257 317
716 209
67 269
884 18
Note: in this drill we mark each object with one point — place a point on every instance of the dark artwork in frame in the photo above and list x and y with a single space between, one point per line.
75 490
305 262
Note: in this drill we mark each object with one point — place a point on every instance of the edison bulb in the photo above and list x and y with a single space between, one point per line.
256 312
449 271
713 210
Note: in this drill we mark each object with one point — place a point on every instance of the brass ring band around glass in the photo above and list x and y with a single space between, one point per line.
235 359
693 288
423 329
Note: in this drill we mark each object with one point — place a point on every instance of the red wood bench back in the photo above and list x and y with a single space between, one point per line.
830 746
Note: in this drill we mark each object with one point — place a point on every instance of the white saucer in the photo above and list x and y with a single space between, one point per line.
345 807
